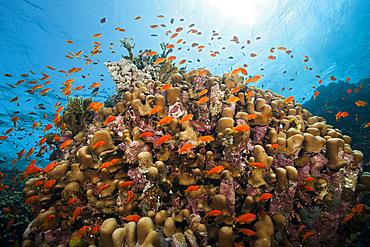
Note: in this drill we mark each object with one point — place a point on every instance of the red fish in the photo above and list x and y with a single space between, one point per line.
301 228
185 148
95 230
127 184
167 86
186 118
315 95
96 35
162 140
30 200
287 100
213 213
274 146
339 114
49 184
81 232
146 134
204 91
192 188
98 144
66 143
233 99
265 196
216 169
305 187
76 213
50 167
49 219
349 91
164 120
104 165
202 100
134 218
306 236
258 165
247 232
207 139
104 187
154 110
109 119
240 128
245 218
358 209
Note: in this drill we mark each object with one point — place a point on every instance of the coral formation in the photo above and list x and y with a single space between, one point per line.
149 178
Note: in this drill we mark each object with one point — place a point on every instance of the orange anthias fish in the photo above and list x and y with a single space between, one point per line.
235 90
182 61
305 187
104 187
307 179
207 139
109 119
344 114
30 200
339 114
81 232
287 100
358 209
301 228
187 118
98 144
50 167
167 86
164 120
213 213
360 103
250 94
240 128
159 60
170 46
315 95
265 196
192 188
97 35
134 218
251 116
162 140
274 146
49 184
185 148
258 164
127 184
203 72
245 218
202 100
154 110
66 143
247 232
233 99
96 84
349 91
10 223
152 53
104 165
95 230
204 91
146 134
306 236
348 217
216 169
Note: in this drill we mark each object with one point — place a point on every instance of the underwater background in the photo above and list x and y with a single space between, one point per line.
326 50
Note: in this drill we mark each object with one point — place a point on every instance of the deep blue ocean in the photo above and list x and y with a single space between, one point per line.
332 35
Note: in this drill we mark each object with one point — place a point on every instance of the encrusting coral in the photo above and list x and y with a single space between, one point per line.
173 169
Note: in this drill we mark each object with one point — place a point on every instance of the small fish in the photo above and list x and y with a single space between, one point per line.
109 119
339 114
104 165
50 167
127 184
81 232
104 187
97 35
306 236
207 139
160 60
257 164
185 148
98 144
253 55
182 61
203 100
146 134
66 143
315 95
69 41
358 209
289 99
174 35
186 118
301 228
349 91
192 188
265 196
235 90
233 99
216 169
103 20
240 128
213 213
167 86
94 230
49 184
162 140
204 91
137 18
251 116
134 218
247 232
245 218
305 187
274 146
307 179
360 103
164 120
30 200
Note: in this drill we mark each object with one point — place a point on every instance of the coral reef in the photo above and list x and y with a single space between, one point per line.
170 169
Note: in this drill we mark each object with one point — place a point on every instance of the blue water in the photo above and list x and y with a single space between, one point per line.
335 35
